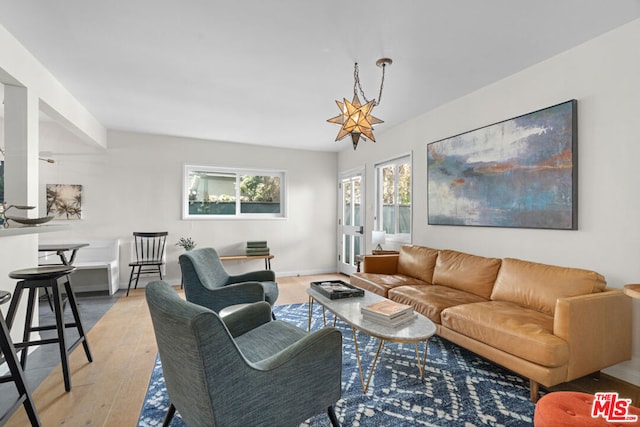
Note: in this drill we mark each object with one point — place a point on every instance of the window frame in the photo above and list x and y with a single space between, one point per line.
404 238
238 172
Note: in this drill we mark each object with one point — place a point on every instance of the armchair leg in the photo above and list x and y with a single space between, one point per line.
332 417
170 413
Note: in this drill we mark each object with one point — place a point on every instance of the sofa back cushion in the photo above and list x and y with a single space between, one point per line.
417 261
538 286
469 273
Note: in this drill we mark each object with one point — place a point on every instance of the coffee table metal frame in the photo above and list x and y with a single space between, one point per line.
348 310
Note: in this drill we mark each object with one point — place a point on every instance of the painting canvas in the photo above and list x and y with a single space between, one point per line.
521 172
64 201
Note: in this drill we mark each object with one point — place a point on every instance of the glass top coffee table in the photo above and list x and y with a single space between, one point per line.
348 310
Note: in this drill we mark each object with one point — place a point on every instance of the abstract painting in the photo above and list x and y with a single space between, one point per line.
64 201
521 172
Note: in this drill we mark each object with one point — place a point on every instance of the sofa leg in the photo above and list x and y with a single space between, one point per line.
534 389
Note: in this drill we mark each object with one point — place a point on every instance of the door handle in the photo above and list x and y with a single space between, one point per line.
360 230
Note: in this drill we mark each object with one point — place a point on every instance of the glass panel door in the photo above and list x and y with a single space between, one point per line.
350 221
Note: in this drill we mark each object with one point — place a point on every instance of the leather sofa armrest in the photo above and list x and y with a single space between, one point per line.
381 264
598 329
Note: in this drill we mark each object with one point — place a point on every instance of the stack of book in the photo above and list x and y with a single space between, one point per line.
388 313
257 247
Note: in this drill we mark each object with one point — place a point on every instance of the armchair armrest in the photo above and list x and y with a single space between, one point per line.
309 370
306 377
253 276
218 298
326 341
248 318
381 264
598 329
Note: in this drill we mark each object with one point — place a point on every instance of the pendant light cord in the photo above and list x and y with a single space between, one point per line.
357 86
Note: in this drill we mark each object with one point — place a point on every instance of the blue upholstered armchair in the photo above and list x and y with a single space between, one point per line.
246 371
207 283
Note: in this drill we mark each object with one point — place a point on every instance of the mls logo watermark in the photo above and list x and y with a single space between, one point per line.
613 409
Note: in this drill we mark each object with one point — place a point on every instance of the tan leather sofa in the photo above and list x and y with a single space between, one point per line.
547 323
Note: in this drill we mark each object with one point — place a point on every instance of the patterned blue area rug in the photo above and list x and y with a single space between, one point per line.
459 388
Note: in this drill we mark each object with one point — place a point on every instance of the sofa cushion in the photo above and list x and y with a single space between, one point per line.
381 283
520 331
538 286
417 261
470 273
430 300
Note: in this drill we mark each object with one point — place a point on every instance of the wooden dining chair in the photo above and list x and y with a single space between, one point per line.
149 250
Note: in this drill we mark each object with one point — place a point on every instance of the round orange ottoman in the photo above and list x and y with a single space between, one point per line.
568 408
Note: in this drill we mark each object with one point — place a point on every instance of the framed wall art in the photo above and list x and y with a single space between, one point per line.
64 201
521 172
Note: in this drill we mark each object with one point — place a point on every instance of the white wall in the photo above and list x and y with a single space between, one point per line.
604 76
136 185
19 68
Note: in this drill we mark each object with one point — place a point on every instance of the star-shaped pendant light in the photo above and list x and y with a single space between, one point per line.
355 118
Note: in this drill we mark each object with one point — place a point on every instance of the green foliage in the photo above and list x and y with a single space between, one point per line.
187 243
403 184
256 188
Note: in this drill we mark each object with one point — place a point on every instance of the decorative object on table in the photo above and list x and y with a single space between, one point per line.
186 243
460 388
257 247
378 238
64 201
388 313
520 173
21 220
384 252
355 119
336 289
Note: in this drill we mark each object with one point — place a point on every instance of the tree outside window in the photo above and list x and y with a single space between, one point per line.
394 192
260 194
222 192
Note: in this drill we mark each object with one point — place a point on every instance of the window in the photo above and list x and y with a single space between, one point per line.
393 199
1 181
211 192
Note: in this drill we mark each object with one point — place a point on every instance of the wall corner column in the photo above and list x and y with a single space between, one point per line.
21 128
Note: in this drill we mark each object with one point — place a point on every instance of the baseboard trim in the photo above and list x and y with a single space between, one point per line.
305 272
628 371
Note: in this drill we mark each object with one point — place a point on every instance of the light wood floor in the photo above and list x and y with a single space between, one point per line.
110 391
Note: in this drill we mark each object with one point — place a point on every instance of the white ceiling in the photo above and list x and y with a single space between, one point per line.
268 72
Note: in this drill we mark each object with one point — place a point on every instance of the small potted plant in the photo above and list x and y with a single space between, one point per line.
186 243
